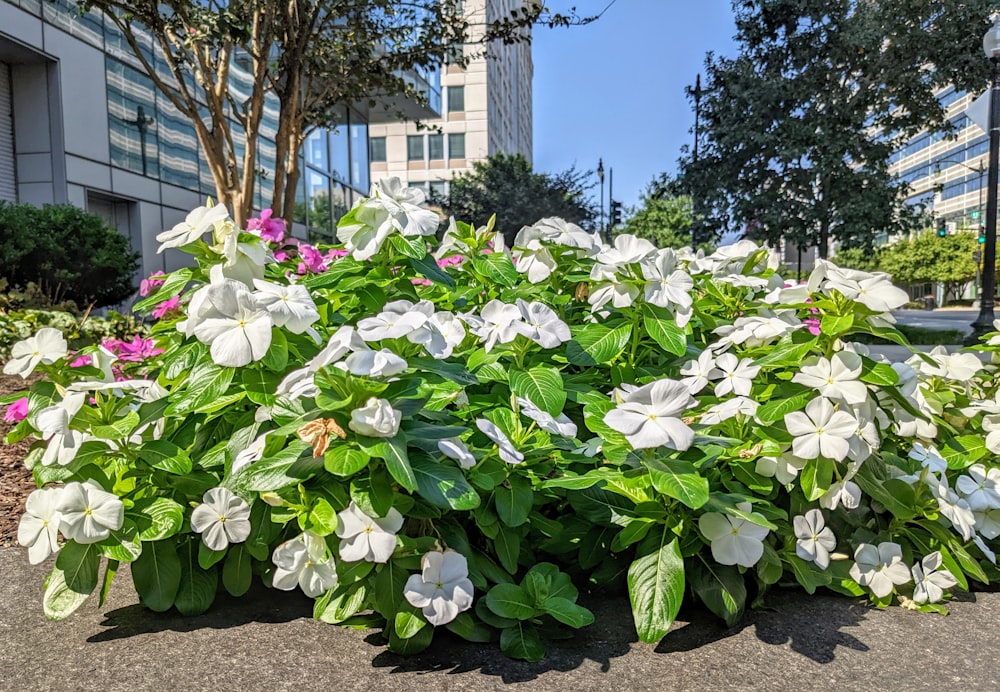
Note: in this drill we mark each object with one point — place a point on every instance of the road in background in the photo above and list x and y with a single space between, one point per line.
938 319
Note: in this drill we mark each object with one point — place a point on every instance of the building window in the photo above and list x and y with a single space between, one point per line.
456 99
438 190
376 148
453 54
456 146
435 147
415 148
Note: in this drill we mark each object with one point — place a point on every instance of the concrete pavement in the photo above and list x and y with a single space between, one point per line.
269 642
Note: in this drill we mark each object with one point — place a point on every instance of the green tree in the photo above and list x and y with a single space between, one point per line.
800 125
506 185
661 218
68 253
930 258
310 56
864 259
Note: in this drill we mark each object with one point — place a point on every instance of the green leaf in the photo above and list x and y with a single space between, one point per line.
542 385
880 373
205 386
522 642
59 600
510 601
276 358
322 517
388 589
721 589
347 601
808 574
415 644
963 451
816 478
345 461
393 451
156 574
80 565
428 267
567 612
786 353
835 325
260 385
776 409
273 473
110 570
664 331
236 572
656 589
156 517
455 372
508 547
166 456
208 557
407 623
443 485
413 247
196 588
119 429
679 480
498 268
513 500
174 284
595 344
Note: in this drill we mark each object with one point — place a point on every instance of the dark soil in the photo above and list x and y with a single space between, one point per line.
15 480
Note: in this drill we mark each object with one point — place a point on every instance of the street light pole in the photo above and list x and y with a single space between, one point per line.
697 131
600 176
984 323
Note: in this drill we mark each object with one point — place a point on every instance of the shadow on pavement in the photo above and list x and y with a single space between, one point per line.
260 605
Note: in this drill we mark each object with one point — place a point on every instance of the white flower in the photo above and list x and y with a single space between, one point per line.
697 373
844 492
376 419
532 257
303 562
222 518
875 291
541 324
382 363
197 223
253 452
836 378
367 538
38 529
735 375
815 539
648 416
344 340
930 582
960 367
496 323
929 458
439 335
730 408
611 287
390 208
442 590
244 261
820 430
46 346
560 425
955 509
289 306
53 424
987 522
980 487
454 448
88 513
560 232
390 324
784 468
628 249
879 568
506 449
735 541
230 321
667 285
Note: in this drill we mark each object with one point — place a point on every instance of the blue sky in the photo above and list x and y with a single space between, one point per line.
615 88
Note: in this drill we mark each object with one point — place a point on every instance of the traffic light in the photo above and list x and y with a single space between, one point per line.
616 213
942 229
982 234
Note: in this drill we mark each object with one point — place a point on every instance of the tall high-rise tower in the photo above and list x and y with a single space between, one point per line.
486 110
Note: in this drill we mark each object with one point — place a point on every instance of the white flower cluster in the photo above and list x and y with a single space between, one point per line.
83 512
391 208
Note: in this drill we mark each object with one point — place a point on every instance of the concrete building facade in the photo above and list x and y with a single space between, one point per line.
81 123
486 110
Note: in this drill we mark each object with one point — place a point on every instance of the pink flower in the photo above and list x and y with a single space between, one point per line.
420 282
312 260
812 324
337 254
147 286
268 228
80 362
17 411
452 261
134 351
166 306
281 256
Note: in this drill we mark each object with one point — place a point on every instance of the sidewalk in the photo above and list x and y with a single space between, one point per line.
269 642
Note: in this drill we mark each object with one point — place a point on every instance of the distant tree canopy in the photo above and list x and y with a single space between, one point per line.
506 185
662 217
931 258
798 128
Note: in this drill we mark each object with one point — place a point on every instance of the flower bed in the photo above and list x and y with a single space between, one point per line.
464 439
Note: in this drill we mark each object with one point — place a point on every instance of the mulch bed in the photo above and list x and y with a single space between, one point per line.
15 480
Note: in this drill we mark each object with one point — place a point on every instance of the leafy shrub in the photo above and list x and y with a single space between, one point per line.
79 332
68 253
467 442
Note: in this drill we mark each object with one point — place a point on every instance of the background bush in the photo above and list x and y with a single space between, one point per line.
69 253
